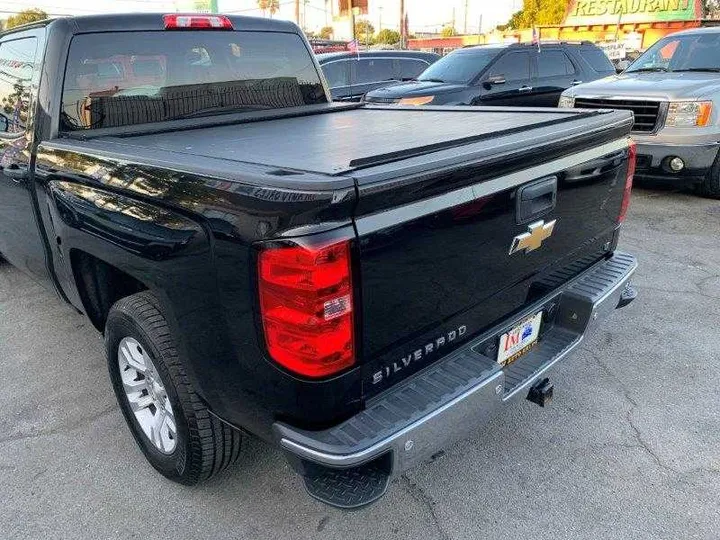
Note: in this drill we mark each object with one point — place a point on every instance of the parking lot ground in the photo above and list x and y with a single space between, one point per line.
629 448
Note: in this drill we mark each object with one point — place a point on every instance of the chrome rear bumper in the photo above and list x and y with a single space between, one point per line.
443 403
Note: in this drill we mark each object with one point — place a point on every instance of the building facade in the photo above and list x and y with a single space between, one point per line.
617 25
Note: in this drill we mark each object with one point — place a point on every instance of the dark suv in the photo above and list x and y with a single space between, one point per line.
517 74
350 75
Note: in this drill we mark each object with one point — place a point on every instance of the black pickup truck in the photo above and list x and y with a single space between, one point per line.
359 285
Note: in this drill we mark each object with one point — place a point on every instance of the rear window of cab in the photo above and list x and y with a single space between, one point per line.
126 78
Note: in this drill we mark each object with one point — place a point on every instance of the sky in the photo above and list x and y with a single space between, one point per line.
425 15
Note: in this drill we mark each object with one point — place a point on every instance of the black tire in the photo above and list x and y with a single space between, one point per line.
710 186
205 445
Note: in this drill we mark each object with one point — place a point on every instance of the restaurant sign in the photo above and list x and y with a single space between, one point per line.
589 12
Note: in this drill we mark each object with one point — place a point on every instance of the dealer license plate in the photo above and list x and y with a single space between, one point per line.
519 340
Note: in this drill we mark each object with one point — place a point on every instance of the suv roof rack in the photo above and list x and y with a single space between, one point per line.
552 42
531 44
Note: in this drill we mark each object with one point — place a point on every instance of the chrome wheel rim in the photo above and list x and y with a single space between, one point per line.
146 395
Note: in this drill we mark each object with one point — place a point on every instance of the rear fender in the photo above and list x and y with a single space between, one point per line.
166 251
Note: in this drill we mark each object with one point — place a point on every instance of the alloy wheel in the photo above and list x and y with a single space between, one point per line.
146 395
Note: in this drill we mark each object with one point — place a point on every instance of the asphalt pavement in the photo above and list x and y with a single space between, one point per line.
629 448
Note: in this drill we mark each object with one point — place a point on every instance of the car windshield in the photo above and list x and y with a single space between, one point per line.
126 78
688 52
460 66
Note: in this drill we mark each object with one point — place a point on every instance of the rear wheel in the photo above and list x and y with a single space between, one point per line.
172 426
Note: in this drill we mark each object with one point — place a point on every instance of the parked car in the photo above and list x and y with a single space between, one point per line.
351 75
360 304
673 89
624 63
515 75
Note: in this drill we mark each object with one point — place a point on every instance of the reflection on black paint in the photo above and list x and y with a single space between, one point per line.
146 230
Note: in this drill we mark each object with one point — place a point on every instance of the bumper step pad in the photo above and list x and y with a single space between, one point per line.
348 488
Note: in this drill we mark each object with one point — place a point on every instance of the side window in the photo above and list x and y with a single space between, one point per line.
513 67
597 59
17 63
409 68
554 64
336 73
370 70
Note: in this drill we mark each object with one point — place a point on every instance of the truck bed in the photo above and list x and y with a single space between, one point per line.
339 141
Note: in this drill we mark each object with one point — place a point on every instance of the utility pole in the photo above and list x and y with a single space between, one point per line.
297 12
380 18
403 37
453 19
465 17
352 19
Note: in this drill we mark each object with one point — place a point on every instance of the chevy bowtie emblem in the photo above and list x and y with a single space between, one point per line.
537 233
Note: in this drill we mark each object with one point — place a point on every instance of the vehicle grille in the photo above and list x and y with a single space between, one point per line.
381 100
646 113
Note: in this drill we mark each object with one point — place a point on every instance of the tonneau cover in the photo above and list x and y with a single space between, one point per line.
345 140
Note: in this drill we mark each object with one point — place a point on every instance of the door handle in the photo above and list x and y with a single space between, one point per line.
525 89
575 83
17 173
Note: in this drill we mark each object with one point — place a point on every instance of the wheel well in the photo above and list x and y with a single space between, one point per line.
100 285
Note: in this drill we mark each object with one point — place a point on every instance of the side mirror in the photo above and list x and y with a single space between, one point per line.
496 79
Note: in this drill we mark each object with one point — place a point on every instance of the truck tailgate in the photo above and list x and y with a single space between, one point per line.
435 242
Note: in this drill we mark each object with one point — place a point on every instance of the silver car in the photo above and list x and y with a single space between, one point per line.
674 91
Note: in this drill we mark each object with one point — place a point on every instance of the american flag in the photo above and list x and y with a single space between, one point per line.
536 37
353 46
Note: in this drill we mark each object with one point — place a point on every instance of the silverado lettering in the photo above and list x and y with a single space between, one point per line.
418 354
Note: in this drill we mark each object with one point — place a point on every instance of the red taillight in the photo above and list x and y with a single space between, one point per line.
306 305
632 159
196 21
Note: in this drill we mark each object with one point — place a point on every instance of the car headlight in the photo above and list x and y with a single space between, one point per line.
566 102
689 114
424 100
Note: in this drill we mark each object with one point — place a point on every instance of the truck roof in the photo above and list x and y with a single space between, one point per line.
129 22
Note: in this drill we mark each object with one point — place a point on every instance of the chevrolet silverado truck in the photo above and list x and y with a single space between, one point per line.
358 285
673 89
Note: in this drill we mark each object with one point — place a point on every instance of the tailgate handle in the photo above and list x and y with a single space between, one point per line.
535 199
